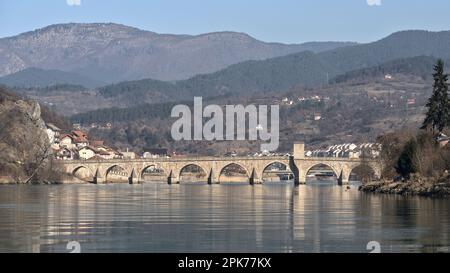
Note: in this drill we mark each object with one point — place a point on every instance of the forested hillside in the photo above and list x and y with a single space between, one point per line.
305 69
419 66
404 44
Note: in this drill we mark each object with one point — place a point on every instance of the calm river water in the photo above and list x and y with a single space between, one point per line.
218 218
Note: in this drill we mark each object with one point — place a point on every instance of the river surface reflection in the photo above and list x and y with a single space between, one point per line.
218 218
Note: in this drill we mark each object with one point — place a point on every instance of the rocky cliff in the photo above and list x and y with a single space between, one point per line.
24 145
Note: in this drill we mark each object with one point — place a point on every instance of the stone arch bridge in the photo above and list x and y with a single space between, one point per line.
100 171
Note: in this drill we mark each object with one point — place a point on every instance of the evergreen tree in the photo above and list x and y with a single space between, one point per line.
407 164
438 115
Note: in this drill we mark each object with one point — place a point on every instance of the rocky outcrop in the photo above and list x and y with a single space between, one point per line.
431 187
24 145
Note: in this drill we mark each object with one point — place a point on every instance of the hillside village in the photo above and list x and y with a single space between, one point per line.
77 145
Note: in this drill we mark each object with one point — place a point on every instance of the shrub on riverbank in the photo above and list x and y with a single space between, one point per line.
408 163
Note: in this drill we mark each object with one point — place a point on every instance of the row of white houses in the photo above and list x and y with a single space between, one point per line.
348 150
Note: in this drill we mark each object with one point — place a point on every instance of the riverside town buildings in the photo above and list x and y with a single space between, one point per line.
349 150
77 145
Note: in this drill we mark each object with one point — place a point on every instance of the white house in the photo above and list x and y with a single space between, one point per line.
80 138
64 154
317 116
53 133
86 152
155 153
67 141
129 155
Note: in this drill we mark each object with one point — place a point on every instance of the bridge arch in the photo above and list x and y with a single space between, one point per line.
196 172
228 173
274 164
308 170
83 173
363 173
152 170
117 173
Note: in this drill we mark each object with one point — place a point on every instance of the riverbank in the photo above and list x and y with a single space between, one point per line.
4 180
45 183
416 186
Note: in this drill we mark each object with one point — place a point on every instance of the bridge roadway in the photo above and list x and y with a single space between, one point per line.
102 171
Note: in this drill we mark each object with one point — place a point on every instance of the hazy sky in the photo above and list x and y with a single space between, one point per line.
288 21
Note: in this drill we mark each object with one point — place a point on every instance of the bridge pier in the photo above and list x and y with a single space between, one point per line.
133 179
298 153
342 182
254 179
299 182
213 177
173 178
300 176
98 178
343 178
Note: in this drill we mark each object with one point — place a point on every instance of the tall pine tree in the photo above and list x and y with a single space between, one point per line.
438 115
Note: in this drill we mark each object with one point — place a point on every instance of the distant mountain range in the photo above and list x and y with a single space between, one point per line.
113 53
402 52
